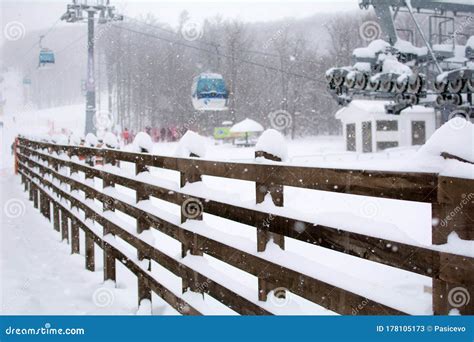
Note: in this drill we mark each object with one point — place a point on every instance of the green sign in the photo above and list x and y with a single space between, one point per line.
222 133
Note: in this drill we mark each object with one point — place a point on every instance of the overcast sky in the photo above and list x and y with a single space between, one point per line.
41 14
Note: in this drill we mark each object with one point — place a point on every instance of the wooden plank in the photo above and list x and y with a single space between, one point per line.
456 269
414 259
266 266
176 302
331 297
409 186
245 262
241 305
411 258
338 302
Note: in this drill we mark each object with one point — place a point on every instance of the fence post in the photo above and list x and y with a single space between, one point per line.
109 259
41 202
56 217
142 195
90 256
144 292
453 213
64 226
276 192
89 241
107 181
35 196
45 206
27 183
30 190
15 154
89 175
263 235
74 236
24 182
72 170
191 208
109 264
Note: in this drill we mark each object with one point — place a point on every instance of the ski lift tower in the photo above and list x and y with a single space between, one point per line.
75 13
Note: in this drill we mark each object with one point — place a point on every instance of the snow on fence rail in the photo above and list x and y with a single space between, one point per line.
448 271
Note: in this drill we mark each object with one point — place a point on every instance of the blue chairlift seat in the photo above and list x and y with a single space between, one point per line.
211 88
46 57
209 92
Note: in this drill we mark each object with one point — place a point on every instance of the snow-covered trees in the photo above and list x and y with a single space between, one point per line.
144 71
151 76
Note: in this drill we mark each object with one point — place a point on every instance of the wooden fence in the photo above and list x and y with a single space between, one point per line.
448 271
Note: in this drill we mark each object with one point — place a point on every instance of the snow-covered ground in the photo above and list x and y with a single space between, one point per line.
38 273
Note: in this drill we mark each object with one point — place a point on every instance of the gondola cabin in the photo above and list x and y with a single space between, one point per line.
46 57
209 92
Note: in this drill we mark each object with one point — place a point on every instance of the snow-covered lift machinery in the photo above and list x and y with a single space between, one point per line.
439 74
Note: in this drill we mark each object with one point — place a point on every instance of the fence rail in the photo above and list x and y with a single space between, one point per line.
448 270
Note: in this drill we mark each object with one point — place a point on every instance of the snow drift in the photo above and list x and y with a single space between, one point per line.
191 143
273 142
455 137
142 143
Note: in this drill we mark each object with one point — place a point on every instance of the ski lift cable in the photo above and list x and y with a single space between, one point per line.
172 41
51 28
37 43
214 45
71 43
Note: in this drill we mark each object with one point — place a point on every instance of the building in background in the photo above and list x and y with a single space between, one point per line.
367 128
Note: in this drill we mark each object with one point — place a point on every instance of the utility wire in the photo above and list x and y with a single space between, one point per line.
214 45
173 41
71 43
52 27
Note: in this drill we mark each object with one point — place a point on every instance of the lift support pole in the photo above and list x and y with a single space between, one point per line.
90 95
74 14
